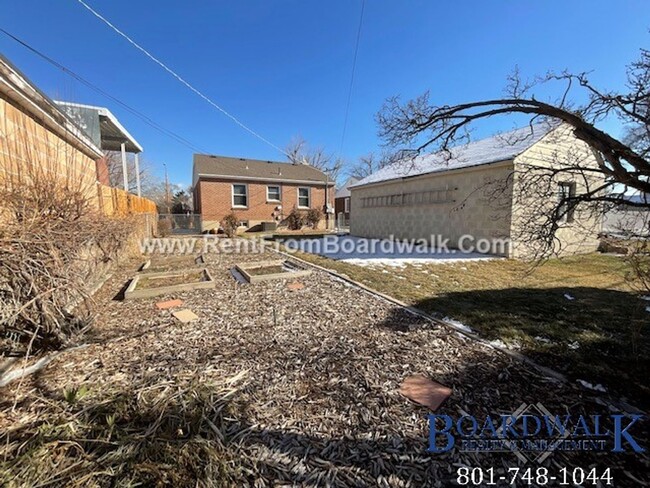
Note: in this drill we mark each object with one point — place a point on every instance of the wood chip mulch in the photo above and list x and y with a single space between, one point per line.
317 401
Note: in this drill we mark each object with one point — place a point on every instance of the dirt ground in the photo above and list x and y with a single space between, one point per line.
269 387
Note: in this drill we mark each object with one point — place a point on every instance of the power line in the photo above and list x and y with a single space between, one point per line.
90 85
180 78
354 65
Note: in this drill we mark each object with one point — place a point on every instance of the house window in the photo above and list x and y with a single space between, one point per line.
239 196
565 192
273 193
303 197
346 204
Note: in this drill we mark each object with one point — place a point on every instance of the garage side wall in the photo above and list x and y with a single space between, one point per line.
463 206
539 171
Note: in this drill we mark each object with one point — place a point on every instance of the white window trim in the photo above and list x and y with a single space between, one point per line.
346 205
232 195
279 199
308 188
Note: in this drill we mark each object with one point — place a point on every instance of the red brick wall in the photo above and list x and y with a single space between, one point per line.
215 200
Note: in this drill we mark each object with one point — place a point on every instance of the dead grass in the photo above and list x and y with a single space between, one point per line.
577 315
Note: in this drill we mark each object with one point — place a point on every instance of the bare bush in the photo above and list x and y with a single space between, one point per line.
295 220
52 240
313 217
230 223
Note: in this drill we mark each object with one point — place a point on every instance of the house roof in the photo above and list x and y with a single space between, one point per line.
100 124
210 166
17 87
501 147
344 191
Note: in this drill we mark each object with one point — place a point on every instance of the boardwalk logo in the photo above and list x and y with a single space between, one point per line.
533 433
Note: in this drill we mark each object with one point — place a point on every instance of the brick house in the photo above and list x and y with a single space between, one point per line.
342 202
257 191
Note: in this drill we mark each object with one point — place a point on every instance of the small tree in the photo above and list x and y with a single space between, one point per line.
230 223
313 217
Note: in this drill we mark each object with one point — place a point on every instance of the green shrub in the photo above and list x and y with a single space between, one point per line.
295 219
313 217
229 224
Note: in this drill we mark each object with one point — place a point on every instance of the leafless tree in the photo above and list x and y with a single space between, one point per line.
299 152
418 126
148 180
370 163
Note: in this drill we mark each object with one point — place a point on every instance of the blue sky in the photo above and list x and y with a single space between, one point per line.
283 67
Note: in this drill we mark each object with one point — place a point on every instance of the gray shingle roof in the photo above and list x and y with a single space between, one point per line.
502 147
215 166
344 191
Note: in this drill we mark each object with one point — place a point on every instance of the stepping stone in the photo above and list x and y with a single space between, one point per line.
169 304
185 315
295 286
422 390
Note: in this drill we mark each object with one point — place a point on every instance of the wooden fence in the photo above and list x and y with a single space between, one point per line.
114 202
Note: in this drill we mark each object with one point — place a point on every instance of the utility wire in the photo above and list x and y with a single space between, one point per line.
180 78
87 83
354 65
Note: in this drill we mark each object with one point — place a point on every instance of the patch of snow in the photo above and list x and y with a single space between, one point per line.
569 297
458 325
646 298
647 309
499 343
542 339
589 386
573 345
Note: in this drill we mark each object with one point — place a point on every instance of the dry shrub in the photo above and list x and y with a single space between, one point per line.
295 220
52 241
164 227
313 217
229 224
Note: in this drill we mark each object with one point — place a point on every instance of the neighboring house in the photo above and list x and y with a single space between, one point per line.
258 192
452 195
342 201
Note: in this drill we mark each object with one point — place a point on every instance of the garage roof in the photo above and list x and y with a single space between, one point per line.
501 147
